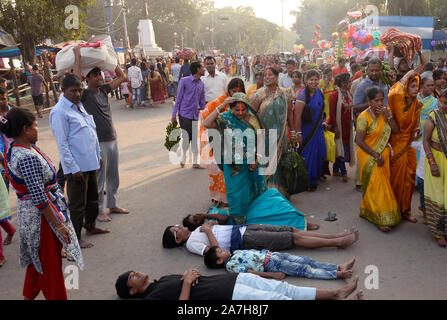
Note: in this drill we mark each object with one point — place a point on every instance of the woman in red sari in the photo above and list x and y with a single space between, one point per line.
156 83
406 110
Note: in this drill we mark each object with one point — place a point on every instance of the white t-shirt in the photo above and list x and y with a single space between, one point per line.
198 241
214 86
135 76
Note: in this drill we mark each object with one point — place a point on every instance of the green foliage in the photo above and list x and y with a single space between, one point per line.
32 21
169 144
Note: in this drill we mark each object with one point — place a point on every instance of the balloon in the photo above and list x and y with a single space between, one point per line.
433 43
335 35
355 14
317 27
377 34
351 30
355 36
314 40
319 42
376 42
316 34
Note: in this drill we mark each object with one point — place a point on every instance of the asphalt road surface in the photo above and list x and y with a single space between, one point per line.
405 263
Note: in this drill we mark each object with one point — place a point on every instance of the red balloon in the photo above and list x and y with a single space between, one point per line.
351 30
317 27
314 41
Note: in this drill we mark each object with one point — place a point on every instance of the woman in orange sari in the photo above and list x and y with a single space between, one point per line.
218 190
406 110
374 128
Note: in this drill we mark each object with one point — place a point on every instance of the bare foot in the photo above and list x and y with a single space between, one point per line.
104 218
119 210
2 262
197 166
8 239
85 244
384 229
346 274
344 292
442 243
97 231
348 265
358 296
345 178
349 240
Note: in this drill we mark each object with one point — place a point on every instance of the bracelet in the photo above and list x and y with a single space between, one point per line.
431 161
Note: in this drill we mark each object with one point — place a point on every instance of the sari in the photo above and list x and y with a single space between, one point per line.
273 114
435 190
217 188
403 161
157 89
379 205
270 208
331 89
314 152
430 104
243 185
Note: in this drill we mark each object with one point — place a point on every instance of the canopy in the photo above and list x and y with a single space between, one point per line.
6 40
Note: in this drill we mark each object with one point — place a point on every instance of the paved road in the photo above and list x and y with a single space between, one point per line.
158 193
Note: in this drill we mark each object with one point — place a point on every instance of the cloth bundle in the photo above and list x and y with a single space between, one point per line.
408 44
99 53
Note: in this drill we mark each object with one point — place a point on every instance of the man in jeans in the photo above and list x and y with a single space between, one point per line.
96 102
190 99
136 81
36 80
79 151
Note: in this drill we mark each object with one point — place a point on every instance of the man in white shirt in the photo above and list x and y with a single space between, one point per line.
136 80
175 71
255 236
215 81
286 80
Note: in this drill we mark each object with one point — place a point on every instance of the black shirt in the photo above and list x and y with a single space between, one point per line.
97 105
217 287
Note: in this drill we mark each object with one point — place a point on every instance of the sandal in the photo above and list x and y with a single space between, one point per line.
409 218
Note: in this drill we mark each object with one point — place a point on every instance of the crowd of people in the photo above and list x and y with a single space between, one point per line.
395 134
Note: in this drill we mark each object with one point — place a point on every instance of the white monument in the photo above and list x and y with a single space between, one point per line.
146 39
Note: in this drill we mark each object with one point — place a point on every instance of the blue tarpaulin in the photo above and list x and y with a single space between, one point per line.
16 52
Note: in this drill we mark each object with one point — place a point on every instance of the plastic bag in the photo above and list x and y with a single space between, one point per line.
294 169
97 53
331 147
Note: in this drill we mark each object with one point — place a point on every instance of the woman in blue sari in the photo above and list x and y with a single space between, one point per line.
310 127
270 208
239 156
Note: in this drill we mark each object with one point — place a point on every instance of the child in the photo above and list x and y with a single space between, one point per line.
418 145
275 265
125 91
4 217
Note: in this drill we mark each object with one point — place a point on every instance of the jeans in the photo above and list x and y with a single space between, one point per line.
301 266
252 287
420 187
136 95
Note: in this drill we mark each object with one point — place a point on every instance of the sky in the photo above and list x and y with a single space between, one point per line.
268 9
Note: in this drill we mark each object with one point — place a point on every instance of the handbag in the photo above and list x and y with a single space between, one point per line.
294 170
331 147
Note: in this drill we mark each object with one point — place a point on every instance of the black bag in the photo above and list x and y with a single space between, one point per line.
294 170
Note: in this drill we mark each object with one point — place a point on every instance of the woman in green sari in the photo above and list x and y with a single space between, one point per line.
274 105
239 156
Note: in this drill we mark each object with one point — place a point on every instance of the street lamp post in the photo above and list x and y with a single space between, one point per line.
175 40
126 36
282 8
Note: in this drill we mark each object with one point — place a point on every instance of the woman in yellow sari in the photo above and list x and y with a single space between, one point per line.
406 110
435 175
374 128
218 190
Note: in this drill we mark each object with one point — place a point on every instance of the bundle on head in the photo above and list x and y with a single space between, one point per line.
407 44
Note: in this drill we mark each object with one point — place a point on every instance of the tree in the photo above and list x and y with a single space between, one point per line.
30 22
